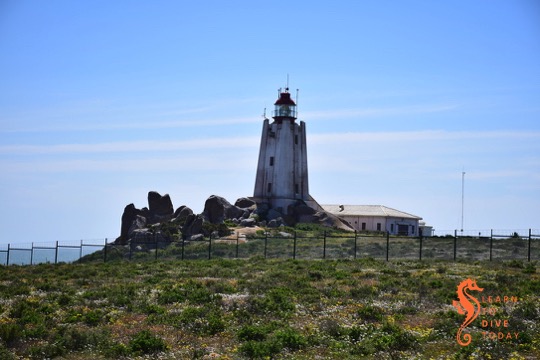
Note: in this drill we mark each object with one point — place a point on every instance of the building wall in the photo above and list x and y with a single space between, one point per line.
282 174
389 224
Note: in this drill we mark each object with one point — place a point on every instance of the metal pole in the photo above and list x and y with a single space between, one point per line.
294 247
237 242
7 256
387 244
265 241
32 254
491 246
80 250
210 247
455 244
355 243
529 250
56 254
157 247
324 245
462 198
420 255
105 251
182 248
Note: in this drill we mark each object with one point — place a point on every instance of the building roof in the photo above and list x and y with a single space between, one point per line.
284 99
368 210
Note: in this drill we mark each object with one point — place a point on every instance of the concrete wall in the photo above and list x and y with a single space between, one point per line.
386 224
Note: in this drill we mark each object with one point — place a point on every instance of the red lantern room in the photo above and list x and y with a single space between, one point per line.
285 108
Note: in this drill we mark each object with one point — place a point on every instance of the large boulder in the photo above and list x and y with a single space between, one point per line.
128 217
327 219
245 203
192 226
138 224
181 214
159 206
217 209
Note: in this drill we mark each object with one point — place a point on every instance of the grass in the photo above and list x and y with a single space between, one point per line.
261 309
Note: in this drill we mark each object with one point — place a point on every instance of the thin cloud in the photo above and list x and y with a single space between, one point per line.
426 135
131 146
155 123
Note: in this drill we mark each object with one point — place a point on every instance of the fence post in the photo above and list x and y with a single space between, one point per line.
210 247
56 254
420 254
529 249
32 254
324 245
157 247
80 250
455 244
105 251
182 248
387 244
265 241
355 243
7 256
130 249
491 245
237 242
294 247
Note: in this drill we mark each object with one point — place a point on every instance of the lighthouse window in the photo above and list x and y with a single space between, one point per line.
269 187
271 161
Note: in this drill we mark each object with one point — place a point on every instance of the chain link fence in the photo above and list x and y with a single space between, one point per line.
270 243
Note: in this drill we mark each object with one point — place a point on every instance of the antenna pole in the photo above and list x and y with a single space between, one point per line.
462 197
297 103
287 82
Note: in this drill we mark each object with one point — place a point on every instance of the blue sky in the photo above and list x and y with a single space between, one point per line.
101 102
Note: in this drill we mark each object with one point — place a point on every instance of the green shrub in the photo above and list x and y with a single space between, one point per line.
145 342
9 333
260 349
253 333
291 339
5 354
370 313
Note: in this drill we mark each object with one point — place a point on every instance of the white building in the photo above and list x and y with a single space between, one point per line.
377 218
282 171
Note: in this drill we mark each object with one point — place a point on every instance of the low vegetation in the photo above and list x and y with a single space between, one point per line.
262 309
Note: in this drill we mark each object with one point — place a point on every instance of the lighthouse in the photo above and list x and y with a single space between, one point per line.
282 170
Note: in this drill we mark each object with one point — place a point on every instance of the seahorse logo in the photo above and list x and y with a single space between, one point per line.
467 305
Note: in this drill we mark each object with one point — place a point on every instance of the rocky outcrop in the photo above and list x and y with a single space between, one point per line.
218 209
181 214
192 226
128 217
245 203
159 222
160 208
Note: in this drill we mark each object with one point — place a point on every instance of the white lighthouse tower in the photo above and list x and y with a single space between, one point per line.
282 171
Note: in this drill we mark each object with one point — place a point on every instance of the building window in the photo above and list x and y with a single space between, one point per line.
363 226
269 187
271 161
412 229
378 226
